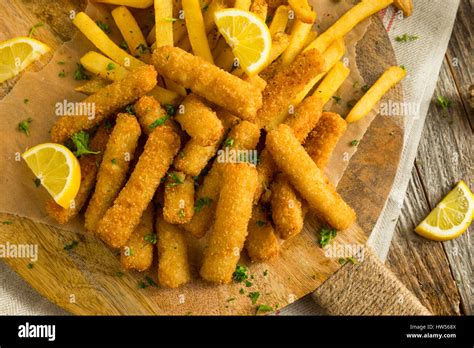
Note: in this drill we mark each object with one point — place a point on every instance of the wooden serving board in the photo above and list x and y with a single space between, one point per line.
89 279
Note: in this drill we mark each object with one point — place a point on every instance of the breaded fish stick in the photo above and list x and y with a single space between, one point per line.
261 242
285 86
173 264
307 178
288 211
178 205
302 121
324 138
107 101
137 253
229 231
114 168
243 136
121 219
199 121
150 114
89 167
208 81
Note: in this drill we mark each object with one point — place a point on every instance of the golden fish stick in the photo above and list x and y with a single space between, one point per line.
193 158
106 101
260 8
173 264
243 136
305 117
229 231
89 167
113 169
199 121
280 20
137 253
178 205
208 81
288 211
307 178
284 87
324 138
150 114
261 243
120 220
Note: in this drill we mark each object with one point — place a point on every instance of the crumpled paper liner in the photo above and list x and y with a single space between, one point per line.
45 88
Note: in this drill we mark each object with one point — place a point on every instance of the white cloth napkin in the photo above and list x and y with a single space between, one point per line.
432 21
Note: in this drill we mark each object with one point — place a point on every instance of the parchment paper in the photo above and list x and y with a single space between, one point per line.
45 88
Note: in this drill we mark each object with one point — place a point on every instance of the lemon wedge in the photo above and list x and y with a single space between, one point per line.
17 53
451 217
57 169
247 35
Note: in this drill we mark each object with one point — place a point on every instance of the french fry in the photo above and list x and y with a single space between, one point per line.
243 4
178 207
310 38
97 36
405 5
261 243
280 20
89 166
299 33
173 264
164 23
260 8
303 11
332 82
114 168
123 217
199 121
389 79
208 81
307 178
165 96
137 253
229 231
288 83
107 101
196 30
128 3
131 32
102 66
92 86
324 137
347 22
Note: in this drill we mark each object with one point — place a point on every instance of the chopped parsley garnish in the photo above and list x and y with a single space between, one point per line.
240 274
241 291
247 283
356 84
142 285
169 19
170 109
260 223
150 238
337 99
201 203
123 45
326 235
30 266
254 296
24 126
150 281
403 67
81 141
230 299
71 245
80 73
61 62
104 26
7 222
107 124
229 142
34 27
37 182
406 38
62 73
351 103
119 274
130 109
25 101
365 88
176 180
443 102
354 142
141 48
110 66
350 259
114 161
159 122
265 273
264 308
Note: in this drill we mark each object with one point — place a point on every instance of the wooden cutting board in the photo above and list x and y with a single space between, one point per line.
89 279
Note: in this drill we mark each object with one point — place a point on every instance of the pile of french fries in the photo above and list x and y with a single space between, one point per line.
171 104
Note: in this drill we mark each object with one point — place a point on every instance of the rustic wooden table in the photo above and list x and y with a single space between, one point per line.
441 274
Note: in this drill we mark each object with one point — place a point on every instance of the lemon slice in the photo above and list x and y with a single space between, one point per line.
57 169
247 35
17 53
451 217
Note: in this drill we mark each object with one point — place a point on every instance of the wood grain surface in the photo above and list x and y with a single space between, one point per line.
441 274
89 280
